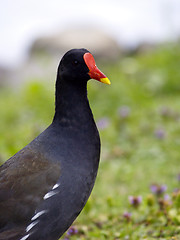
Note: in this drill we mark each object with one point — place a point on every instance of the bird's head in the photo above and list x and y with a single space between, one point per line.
79 65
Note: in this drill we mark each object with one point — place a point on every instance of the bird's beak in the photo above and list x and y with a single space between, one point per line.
94 72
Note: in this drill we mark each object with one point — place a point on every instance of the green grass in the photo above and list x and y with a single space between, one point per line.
139 148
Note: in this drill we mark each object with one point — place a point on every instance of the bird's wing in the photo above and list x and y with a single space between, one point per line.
24 181
12 234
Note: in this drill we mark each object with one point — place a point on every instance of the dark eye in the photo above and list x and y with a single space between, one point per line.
75 62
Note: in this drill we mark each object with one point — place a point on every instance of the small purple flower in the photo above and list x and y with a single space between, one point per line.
165 111
158 189
127 216
103 123
135 201
160 133
167 199
124 111
72 231
169 113
178 177
164 202
176 192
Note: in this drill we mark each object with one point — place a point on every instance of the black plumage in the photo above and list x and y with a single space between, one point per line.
45 185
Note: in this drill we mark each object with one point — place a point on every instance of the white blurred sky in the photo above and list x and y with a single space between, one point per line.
129 21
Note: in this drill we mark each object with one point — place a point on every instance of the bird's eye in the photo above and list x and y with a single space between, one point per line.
75 62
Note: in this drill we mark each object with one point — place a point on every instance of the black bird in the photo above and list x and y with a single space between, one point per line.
44 186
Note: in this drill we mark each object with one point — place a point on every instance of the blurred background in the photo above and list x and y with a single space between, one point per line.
107 28
136 44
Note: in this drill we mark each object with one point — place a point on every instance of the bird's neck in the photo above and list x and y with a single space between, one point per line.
71 106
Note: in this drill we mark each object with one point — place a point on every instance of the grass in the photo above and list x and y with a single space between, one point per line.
140 131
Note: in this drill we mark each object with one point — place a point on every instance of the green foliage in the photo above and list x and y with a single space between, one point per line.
140 133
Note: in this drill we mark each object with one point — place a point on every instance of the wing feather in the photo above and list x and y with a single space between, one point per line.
24 180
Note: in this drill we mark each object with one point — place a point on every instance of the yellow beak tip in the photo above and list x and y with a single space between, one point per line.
105 80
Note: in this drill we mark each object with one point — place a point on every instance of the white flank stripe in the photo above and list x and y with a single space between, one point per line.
56 186
31 225
25 237
38 215
50 194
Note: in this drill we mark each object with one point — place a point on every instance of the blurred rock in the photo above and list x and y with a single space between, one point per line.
45 53
142 48
99 43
